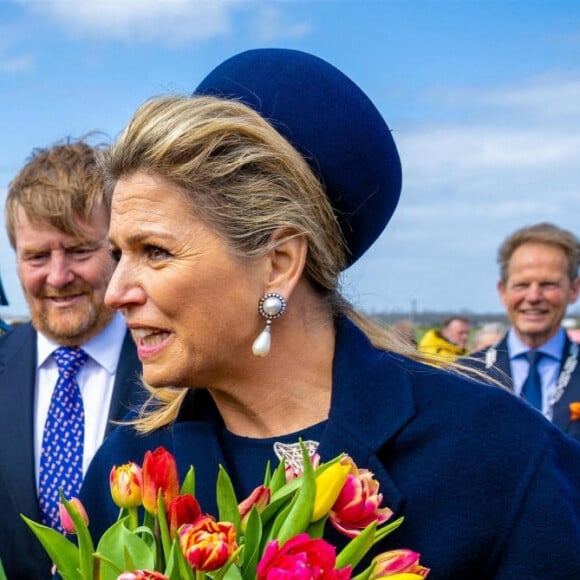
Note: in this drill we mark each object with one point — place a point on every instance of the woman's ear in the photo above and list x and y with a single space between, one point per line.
285 261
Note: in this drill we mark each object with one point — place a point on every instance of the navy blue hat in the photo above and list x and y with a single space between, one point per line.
331 122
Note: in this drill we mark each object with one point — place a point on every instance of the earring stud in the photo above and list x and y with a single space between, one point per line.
272 305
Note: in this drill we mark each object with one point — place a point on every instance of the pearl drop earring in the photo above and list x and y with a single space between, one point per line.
271 305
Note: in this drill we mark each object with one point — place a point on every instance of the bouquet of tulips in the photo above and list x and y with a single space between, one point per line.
275 533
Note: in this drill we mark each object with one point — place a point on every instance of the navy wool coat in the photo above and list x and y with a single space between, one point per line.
22 555
489 489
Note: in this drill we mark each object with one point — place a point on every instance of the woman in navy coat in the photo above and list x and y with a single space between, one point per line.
234 213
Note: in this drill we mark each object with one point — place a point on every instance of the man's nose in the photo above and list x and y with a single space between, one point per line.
60 272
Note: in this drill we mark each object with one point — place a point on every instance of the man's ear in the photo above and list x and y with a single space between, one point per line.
285 261
501 291
575 289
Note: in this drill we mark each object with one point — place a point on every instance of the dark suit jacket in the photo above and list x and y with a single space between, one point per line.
489 489
501 372
21 553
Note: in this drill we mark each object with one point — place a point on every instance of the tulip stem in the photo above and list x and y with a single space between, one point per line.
133 518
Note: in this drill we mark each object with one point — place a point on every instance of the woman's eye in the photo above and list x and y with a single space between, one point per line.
156 253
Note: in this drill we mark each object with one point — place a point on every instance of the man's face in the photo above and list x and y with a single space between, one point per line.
64 278
457 331
537 291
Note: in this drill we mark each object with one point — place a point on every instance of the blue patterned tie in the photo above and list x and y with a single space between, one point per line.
61 457
532 389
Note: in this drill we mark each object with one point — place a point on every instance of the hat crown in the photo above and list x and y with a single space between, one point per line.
331 122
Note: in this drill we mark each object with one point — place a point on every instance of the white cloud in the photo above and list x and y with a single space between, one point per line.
16 64
270 24
172 22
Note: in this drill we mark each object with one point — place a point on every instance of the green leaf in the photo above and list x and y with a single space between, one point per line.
252 542
188 485
226 499
61 551
2 572
356 549
316 529
177 568
117 545
278 479
384 531
163 529
303 503
267 474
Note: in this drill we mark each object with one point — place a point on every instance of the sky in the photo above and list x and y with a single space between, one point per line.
482 97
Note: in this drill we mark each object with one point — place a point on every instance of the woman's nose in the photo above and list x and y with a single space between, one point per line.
123 289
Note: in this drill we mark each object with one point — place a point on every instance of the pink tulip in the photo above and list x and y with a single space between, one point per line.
259 498
65 519
358 503
300 558
142 575
398 562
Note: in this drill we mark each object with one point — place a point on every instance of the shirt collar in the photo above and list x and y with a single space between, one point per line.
553 347
104 349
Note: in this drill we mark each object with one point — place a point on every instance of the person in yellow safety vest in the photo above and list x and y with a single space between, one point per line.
448 343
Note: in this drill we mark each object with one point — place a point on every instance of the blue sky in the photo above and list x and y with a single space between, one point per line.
483 98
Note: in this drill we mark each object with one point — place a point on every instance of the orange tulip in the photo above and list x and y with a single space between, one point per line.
574 411
207 545
159 473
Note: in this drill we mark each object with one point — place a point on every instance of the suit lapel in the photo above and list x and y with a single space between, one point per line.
17 386
127 391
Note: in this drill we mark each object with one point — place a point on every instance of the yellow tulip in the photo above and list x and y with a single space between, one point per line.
329 484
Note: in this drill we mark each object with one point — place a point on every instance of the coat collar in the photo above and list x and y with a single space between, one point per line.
372 400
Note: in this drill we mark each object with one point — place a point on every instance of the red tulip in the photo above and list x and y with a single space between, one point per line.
126 482
159 473
300 558
207 545
184 509
65 519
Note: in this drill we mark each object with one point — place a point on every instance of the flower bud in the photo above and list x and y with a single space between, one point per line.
65 519
159 473
259 498
126 482
398 562
329 484
184 509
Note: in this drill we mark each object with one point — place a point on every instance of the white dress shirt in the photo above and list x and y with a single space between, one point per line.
96 380
548 366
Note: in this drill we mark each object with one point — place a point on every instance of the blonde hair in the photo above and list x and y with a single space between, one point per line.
243 179
57 185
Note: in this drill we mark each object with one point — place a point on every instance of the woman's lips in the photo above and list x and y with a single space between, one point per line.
149 341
